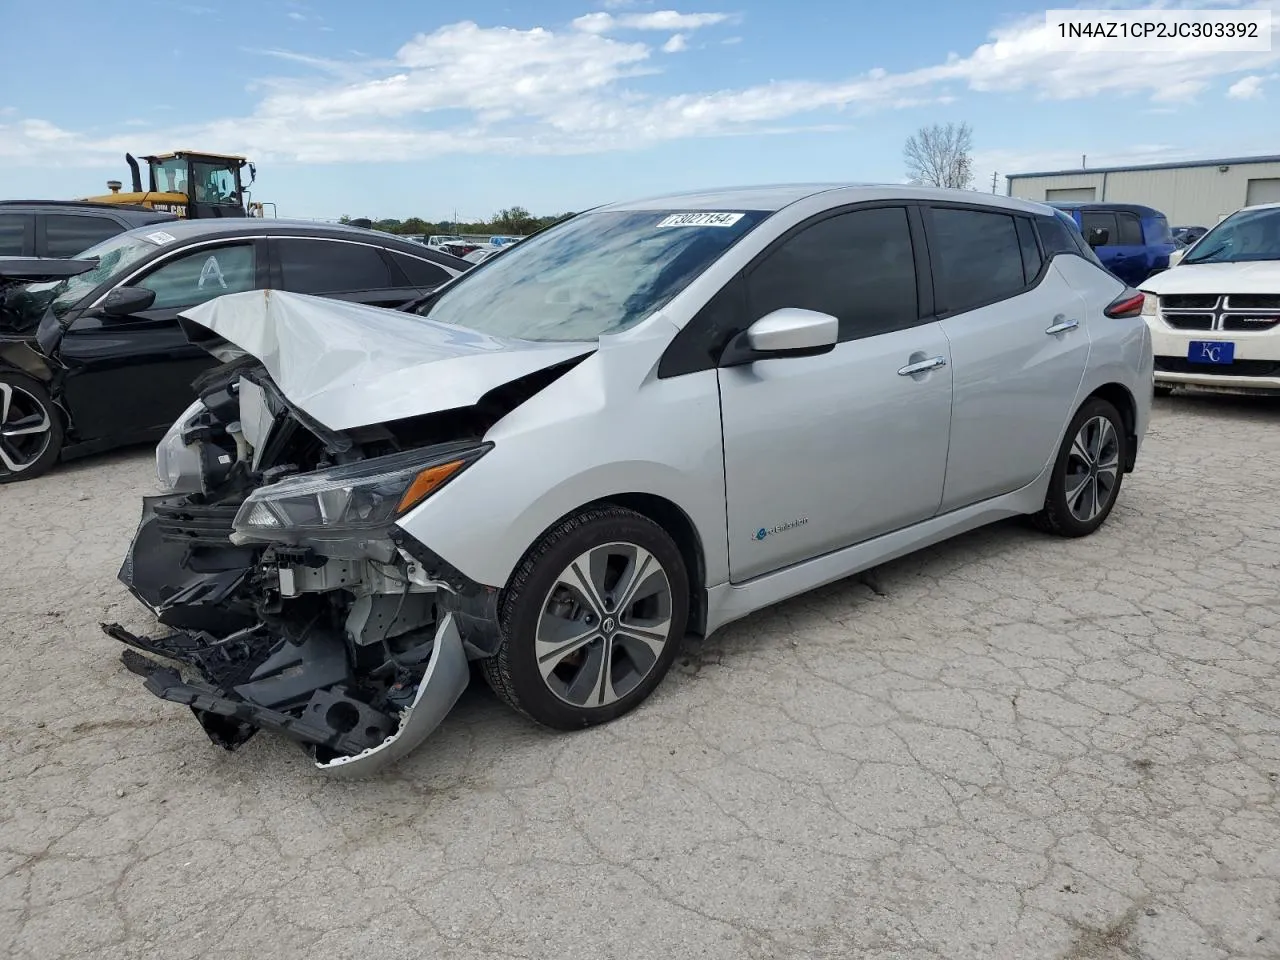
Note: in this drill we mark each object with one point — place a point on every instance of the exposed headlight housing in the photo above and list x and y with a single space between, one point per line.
1150 305
178 466
357 499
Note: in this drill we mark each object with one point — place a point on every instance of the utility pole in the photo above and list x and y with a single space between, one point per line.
994 175
1083 157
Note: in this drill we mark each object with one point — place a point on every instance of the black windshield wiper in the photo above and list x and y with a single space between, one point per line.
1201 257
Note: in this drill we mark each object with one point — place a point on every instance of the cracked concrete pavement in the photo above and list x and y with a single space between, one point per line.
1006 746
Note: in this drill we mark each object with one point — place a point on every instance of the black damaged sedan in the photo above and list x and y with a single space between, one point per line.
92 355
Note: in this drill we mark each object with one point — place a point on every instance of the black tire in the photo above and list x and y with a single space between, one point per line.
514 672
1057 516
23 399
1162 390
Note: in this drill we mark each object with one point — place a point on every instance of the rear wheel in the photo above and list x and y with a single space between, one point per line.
1088 472
30 428
591 620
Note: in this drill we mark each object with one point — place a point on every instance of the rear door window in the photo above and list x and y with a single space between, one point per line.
329 266
1130 228
977 258
68 236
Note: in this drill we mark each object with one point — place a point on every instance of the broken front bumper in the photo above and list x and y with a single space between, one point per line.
358 742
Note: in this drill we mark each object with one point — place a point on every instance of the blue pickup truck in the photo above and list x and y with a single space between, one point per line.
1131 240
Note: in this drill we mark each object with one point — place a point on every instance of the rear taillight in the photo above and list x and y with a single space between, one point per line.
1128 304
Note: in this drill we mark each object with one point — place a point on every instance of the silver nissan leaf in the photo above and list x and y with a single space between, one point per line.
642 423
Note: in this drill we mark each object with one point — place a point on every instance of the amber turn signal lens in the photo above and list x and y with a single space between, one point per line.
425 482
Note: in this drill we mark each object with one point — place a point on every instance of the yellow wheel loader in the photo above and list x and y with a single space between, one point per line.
188 184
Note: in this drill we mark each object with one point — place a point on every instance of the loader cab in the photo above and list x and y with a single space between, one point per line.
210 182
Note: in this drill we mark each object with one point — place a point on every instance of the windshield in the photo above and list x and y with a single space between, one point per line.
596 274
113 256
1245 235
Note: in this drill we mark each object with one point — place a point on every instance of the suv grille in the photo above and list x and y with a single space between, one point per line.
1192 301
1240 368
1236 312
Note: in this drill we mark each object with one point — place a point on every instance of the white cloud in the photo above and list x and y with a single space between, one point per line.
1246 88
582 90
667 20
295 15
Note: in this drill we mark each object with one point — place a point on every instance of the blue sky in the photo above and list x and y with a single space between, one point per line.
393 108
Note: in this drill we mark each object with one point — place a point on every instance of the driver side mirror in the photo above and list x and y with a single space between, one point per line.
788 332
126 301
1098 236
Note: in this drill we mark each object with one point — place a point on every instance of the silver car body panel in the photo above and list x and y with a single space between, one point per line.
446 677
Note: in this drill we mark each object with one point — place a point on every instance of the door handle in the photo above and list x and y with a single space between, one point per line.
922 366
1061 325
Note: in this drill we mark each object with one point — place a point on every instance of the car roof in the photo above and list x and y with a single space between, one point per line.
185 231
1138 208
774 197
136 214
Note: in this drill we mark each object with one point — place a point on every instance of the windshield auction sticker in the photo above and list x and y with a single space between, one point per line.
700 220
1117 31
160 237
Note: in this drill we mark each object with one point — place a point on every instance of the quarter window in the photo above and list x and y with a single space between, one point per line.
420 272
1032 261
202 275
857 266
328 266
977 258
69 236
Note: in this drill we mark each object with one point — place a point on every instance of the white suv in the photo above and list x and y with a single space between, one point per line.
1215 317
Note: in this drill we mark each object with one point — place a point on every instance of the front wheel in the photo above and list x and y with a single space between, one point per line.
1088 472
592 619
30 428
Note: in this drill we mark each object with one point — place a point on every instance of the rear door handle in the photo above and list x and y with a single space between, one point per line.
922 366
1062 326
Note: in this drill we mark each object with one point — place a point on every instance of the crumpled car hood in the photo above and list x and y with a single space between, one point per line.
349 365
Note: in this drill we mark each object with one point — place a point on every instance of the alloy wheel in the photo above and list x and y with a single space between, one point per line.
1093 468
26 428
604 624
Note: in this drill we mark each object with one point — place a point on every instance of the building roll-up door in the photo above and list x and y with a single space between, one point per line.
1263 191
1071 195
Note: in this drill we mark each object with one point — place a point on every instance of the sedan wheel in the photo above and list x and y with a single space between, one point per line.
30 428
591 619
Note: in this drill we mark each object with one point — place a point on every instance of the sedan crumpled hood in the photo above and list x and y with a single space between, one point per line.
349 365
1254 276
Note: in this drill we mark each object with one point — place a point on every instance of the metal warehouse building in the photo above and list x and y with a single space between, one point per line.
1196 193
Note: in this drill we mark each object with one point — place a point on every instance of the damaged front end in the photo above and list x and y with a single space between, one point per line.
292 602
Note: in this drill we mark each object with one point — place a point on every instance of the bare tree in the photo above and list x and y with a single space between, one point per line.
940 155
